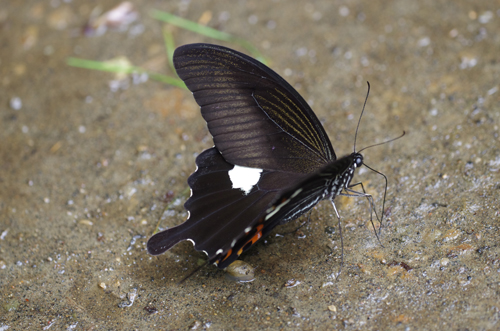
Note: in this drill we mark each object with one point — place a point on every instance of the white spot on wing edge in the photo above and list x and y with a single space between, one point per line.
244 178
194 244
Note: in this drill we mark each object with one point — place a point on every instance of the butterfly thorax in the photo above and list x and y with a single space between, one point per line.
341 172
326 183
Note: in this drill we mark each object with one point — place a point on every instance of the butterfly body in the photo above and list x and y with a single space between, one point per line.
271 163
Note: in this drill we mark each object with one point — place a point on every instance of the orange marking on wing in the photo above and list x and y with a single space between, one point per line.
254 239
227 255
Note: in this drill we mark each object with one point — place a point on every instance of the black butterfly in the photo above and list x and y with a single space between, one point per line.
271 163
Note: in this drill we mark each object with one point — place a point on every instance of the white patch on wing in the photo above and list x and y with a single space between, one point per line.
244 178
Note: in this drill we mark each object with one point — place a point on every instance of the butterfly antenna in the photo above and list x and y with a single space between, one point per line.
384 142
361 115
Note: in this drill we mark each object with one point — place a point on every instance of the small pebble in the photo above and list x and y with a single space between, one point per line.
452 234
131 298
292 283
240 271
195 326
16 103
151 310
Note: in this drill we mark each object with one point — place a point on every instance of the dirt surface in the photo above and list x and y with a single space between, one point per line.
89 162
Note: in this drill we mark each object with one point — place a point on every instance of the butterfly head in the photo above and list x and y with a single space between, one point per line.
357 160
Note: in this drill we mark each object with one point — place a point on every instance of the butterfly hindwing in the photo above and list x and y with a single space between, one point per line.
218 213
294 201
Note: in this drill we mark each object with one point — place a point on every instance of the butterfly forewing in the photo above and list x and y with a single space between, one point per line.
256 118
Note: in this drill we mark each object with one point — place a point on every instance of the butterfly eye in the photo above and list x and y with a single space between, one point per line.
359 161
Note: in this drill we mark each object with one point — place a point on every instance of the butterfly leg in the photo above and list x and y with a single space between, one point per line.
352 193
341 238
385 193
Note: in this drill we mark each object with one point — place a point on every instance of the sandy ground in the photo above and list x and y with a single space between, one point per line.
89 162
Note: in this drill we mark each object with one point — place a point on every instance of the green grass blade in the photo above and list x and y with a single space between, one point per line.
168 38
206 31
190 25
121 67
110 66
